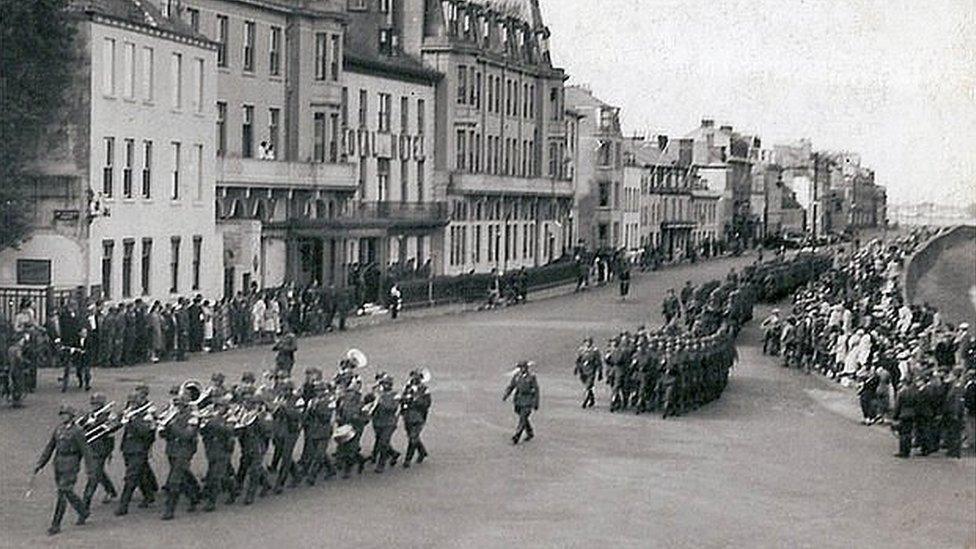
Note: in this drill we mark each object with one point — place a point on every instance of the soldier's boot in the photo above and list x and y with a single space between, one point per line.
110 492
123 508
362 463
380 461
408 456
529 434
395 456
171 499
79 507
422 451
59 509
211 503
86 495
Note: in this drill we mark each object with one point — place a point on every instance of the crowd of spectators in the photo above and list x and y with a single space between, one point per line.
909 365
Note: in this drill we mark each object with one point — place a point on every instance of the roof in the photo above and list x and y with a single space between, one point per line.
647 153
143 13
401 65
578 96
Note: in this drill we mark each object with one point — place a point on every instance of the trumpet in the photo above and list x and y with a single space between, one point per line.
94 416
167 416
147 409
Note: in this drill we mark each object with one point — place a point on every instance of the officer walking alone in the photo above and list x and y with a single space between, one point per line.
68 447
526 389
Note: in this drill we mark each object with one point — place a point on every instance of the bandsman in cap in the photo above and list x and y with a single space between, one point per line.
138 436
101 451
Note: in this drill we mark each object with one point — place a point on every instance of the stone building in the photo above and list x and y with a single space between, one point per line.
500 144
601 203
124 196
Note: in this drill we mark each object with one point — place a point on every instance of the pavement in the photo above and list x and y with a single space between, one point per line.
780 460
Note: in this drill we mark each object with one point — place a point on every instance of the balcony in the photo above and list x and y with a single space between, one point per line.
372 218
480 183
251 172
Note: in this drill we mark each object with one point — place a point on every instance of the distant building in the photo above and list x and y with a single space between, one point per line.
601 202
500 149
124 194
723 159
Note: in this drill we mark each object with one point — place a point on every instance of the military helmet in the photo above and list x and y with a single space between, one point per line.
67 410
97 399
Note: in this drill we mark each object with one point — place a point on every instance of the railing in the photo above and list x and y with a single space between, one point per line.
41 300
405 211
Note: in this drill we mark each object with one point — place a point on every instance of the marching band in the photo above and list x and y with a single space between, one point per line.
255 417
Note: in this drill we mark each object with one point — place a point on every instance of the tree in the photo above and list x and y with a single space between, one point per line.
35 52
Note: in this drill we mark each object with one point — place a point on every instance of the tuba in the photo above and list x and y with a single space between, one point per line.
192 391
357 358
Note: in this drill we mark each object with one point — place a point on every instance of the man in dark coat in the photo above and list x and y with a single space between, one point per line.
67 446
415 406
589 368
906 401
218 444
101 451
181 444
137 439
526 389
384 419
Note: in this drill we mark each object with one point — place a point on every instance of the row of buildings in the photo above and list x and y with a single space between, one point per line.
210 146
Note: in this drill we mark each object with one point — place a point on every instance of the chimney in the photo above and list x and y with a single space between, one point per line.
662 142
707 123
725 129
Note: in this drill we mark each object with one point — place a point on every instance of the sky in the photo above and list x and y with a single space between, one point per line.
894 80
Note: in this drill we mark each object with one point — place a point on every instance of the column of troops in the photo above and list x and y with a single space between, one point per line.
253 417
686 363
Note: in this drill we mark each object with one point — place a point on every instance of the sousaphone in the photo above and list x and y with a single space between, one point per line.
357 358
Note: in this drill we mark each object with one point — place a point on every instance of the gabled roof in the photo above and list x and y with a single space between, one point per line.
143 13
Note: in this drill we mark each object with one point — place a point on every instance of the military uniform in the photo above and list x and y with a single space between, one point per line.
138 436
589 368
349 411
384 424
101 451
254 445
287 428
318 431
181 444
218 444
285 353
415 406
906 402
526 389
67 446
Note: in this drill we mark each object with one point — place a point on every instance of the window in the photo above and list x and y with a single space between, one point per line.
404 178
383 113
197 253
174 264
145 266
148 72
249 46
176 78
461 149
147 151
383 179
491 92
108 182
404 115
127 246
476 91
129 66
477 243
421 179
321 56
319 134
472 92
35 272
462 85
108 66
194 16
421 122
605 153
508 97
554 102
222 32
247 132
221 128
525 100
274 129
362 178
471 152
334 138
199 171
384 6
335 58
130 152
604 194
274 52
198 77
175 192
363 104
108 249
344 107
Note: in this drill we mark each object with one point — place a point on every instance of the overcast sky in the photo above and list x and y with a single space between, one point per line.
894 80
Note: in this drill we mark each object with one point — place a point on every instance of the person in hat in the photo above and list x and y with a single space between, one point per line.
101 450
526 389
217 388
15 368
253 434
384 419
589 368
285 349
218 444
287 427
317 423
349 411
138 436
414 406
181 444
68 448
904 414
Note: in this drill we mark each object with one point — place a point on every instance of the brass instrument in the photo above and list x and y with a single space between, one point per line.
148 409
357 358
166 416
91 417
99 423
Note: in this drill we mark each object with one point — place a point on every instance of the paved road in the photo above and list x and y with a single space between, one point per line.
780 460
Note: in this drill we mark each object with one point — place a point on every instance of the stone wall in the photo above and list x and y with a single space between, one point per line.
923 260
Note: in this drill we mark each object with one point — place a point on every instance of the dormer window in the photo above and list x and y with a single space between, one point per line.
386 41
485 28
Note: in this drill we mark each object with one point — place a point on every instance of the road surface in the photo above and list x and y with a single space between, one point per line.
780 460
